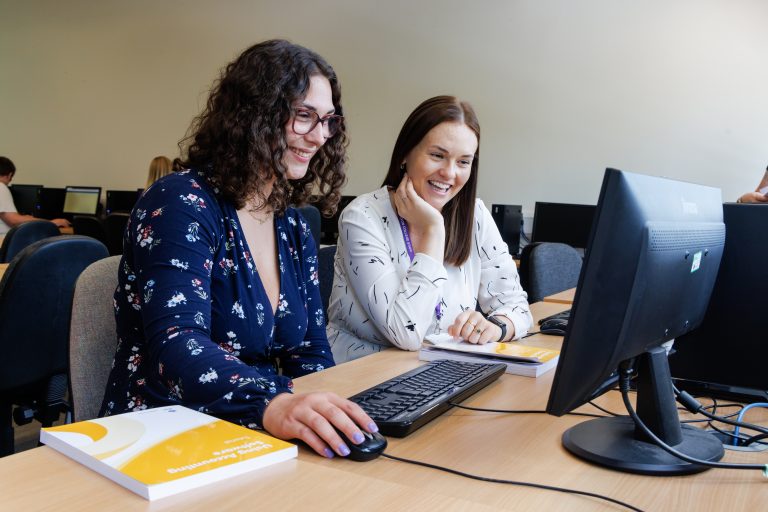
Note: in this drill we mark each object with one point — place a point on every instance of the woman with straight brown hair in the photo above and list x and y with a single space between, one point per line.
420 254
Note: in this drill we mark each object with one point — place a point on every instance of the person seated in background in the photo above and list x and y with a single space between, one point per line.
418 255
9 216
218 303
159 166
760 195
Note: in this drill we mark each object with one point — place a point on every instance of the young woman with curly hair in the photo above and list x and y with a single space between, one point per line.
218 303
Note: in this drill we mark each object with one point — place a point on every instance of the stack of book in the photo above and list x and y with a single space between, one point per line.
520 359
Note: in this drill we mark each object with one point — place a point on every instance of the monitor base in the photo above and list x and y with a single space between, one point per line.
611 442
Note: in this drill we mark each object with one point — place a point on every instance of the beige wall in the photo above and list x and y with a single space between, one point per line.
90 91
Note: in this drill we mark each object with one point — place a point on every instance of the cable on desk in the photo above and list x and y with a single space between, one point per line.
695 406
513 482
518 411
741 415
624 386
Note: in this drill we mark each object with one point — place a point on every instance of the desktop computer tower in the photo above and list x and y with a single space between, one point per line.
509 220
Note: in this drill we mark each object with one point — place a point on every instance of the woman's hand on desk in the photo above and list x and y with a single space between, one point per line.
311 417
472 326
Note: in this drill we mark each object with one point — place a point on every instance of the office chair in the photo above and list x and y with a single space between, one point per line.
547 268
114 228
312 215
92 337
325 257
87 225
23 235
35 306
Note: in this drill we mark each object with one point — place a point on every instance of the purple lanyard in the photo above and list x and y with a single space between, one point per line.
409 248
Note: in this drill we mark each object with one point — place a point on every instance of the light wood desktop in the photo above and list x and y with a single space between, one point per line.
564 297
522 447
3 268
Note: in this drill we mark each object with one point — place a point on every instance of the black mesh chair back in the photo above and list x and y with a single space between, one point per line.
547 268
87 225
312 215
23 235
35 306
325 257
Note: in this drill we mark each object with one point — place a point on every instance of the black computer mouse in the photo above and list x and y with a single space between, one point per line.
556 326
369 449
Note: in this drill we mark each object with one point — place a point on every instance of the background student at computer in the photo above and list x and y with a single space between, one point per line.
417 255
207 328
9 216
760 194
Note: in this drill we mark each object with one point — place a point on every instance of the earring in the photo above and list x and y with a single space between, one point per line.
402 166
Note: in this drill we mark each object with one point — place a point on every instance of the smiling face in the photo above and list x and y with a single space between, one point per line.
441 163
301 148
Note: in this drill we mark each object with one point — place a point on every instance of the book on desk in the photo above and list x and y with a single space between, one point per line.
520 359
166 450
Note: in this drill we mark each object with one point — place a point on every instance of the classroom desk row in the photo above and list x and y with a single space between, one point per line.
521 447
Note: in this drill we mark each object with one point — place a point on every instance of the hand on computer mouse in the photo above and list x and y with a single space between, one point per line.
371 447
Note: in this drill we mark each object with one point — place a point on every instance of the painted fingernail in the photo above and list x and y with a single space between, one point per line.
328 452
358 438
343 450
372 427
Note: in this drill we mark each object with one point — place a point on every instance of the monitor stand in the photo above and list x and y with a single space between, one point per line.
617 443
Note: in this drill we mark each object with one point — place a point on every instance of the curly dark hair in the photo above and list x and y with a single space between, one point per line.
239 138
459 212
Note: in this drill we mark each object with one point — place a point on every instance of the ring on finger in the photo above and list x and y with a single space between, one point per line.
478 330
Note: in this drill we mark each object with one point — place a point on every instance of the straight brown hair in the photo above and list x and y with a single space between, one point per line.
458 213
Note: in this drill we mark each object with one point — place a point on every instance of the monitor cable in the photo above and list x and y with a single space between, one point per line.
513 482
624 387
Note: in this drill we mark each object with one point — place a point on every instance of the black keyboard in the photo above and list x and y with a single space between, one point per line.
563 314
406 402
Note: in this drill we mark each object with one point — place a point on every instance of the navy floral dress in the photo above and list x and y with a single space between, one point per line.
194 324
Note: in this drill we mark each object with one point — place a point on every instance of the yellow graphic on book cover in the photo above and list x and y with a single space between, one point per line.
165 444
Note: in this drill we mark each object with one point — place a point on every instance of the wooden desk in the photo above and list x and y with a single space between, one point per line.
3 268
69 230
564 297
523 447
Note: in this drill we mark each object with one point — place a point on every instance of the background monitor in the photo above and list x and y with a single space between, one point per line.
649 270
121 201
329 227
562 222
50 204
82 200
25 198
725 357
509 220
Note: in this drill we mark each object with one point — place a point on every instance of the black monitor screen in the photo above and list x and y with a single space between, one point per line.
649 270
51 203
561 222
121 201
25 198
82 200
509 220
735 317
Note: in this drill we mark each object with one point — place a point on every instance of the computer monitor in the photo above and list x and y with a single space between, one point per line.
25 198
50 204
121 201
562 222
329 226
725 357
82 200
649 270
509 220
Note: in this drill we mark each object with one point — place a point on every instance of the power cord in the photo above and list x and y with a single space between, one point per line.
624 387
741 414
513 482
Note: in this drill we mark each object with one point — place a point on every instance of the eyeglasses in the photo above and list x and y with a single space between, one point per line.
304 121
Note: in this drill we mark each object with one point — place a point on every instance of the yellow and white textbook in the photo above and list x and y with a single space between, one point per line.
520 359
166 450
